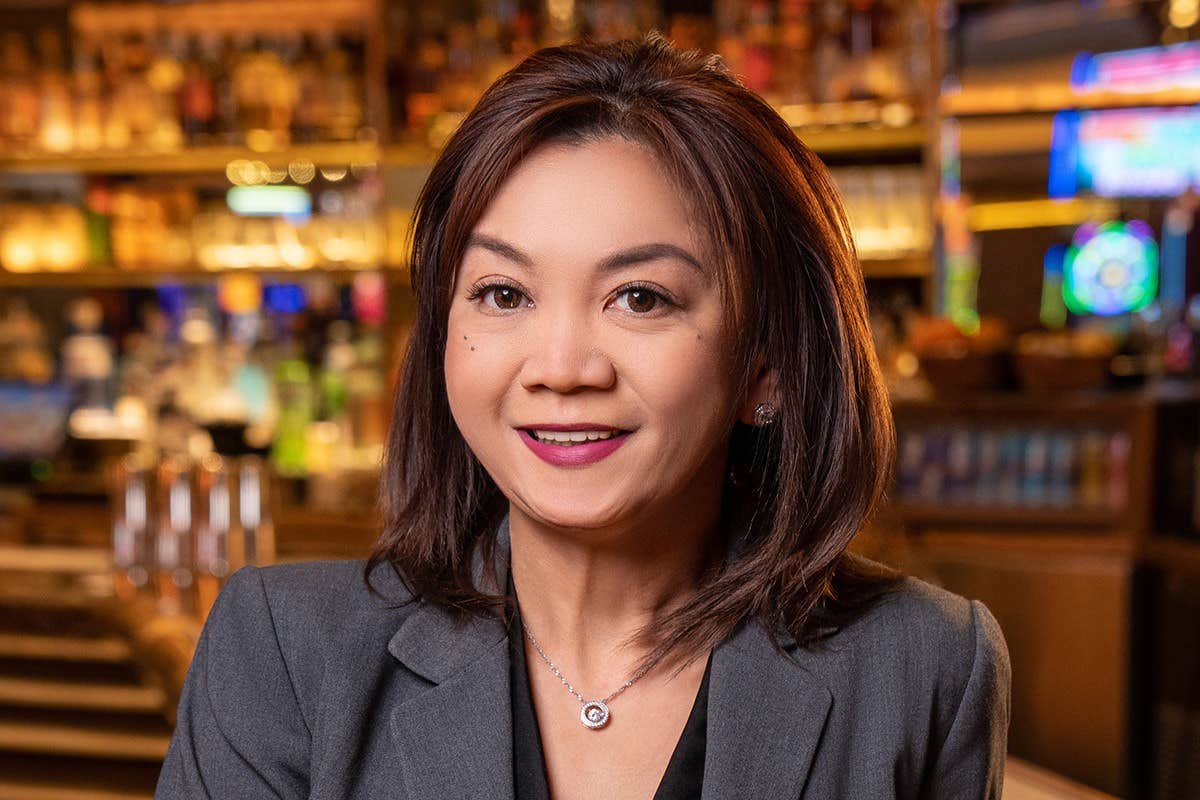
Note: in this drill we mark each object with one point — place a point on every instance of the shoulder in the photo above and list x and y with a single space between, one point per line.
307 612
931 622
933 650
316 591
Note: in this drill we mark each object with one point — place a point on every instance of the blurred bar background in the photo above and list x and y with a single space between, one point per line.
204 296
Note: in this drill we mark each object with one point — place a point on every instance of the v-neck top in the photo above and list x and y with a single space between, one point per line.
683 777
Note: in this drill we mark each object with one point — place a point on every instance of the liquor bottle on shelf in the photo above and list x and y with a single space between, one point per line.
136 95
911 38
173 536
133 555
55 127
255 521
795 47
220 56
164 76
18 89
88 356
728 23
759 53
88 98
343 93
494 31
24 354
367 396
561 22
116 131
307 120
197 97
213 529
293 387
829 55
425 100
861 50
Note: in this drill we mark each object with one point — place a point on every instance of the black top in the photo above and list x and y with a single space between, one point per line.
684 775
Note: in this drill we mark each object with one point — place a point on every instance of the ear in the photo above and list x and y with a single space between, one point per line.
765 389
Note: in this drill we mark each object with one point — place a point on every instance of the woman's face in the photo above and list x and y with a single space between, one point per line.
543 332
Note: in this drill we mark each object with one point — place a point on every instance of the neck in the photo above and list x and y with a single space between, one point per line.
585 592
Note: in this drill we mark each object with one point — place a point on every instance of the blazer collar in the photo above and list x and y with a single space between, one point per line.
766 712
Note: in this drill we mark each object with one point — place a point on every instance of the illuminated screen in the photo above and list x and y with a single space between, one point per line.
1134 152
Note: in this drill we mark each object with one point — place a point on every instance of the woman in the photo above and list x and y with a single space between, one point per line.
640 419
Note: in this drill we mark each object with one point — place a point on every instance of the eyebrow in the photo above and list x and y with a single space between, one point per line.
633 255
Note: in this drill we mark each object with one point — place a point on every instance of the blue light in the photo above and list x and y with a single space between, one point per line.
284 298
1064 155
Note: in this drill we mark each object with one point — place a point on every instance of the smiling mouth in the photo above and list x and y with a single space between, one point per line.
573 438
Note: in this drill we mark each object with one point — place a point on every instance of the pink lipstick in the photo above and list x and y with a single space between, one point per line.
572 455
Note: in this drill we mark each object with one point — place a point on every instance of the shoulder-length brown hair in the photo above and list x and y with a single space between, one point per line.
779 238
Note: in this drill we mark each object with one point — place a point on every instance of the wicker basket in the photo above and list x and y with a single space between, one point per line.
1039 372
965 373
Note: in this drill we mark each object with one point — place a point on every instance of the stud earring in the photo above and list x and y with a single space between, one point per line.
764 414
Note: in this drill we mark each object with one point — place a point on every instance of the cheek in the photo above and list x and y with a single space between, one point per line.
685 379
478 370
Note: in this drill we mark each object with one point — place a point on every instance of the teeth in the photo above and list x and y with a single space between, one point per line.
573 437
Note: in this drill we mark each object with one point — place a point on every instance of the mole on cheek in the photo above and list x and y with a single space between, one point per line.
472 348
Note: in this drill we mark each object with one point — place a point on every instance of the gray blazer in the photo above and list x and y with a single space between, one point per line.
304 685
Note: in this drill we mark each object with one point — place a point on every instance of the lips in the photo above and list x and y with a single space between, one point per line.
573 454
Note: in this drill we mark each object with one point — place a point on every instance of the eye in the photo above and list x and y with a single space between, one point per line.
644 300
508 297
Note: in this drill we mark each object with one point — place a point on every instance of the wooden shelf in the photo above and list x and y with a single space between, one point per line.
229 16
863 139
23 790
56 560
987 542
1026 781
27 776
844 139
1174 552
1109 402
82 738
1033 99
190 160
915 266
110 278
78 695
31 646
26 790
982 516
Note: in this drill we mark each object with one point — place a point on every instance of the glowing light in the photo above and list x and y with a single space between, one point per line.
302 170
269 200
239 294
1110 268
284 298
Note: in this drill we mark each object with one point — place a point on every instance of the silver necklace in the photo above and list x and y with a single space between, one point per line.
595 713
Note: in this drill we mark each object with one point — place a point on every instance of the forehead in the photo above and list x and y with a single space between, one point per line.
567 200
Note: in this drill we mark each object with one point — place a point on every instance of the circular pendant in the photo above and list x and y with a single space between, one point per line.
594 714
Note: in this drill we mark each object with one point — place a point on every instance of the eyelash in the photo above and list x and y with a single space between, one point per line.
481 289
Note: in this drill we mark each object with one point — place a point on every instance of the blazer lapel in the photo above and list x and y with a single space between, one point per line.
766 714
464 719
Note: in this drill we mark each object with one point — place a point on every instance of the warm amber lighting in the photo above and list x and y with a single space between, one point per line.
302 171
1038 213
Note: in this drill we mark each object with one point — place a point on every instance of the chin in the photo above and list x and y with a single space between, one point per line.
562 513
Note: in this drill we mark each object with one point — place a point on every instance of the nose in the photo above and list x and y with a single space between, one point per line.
564 355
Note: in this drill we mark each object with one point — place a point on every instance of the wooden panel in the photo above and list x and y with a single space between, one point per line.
1024 781
1065 613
